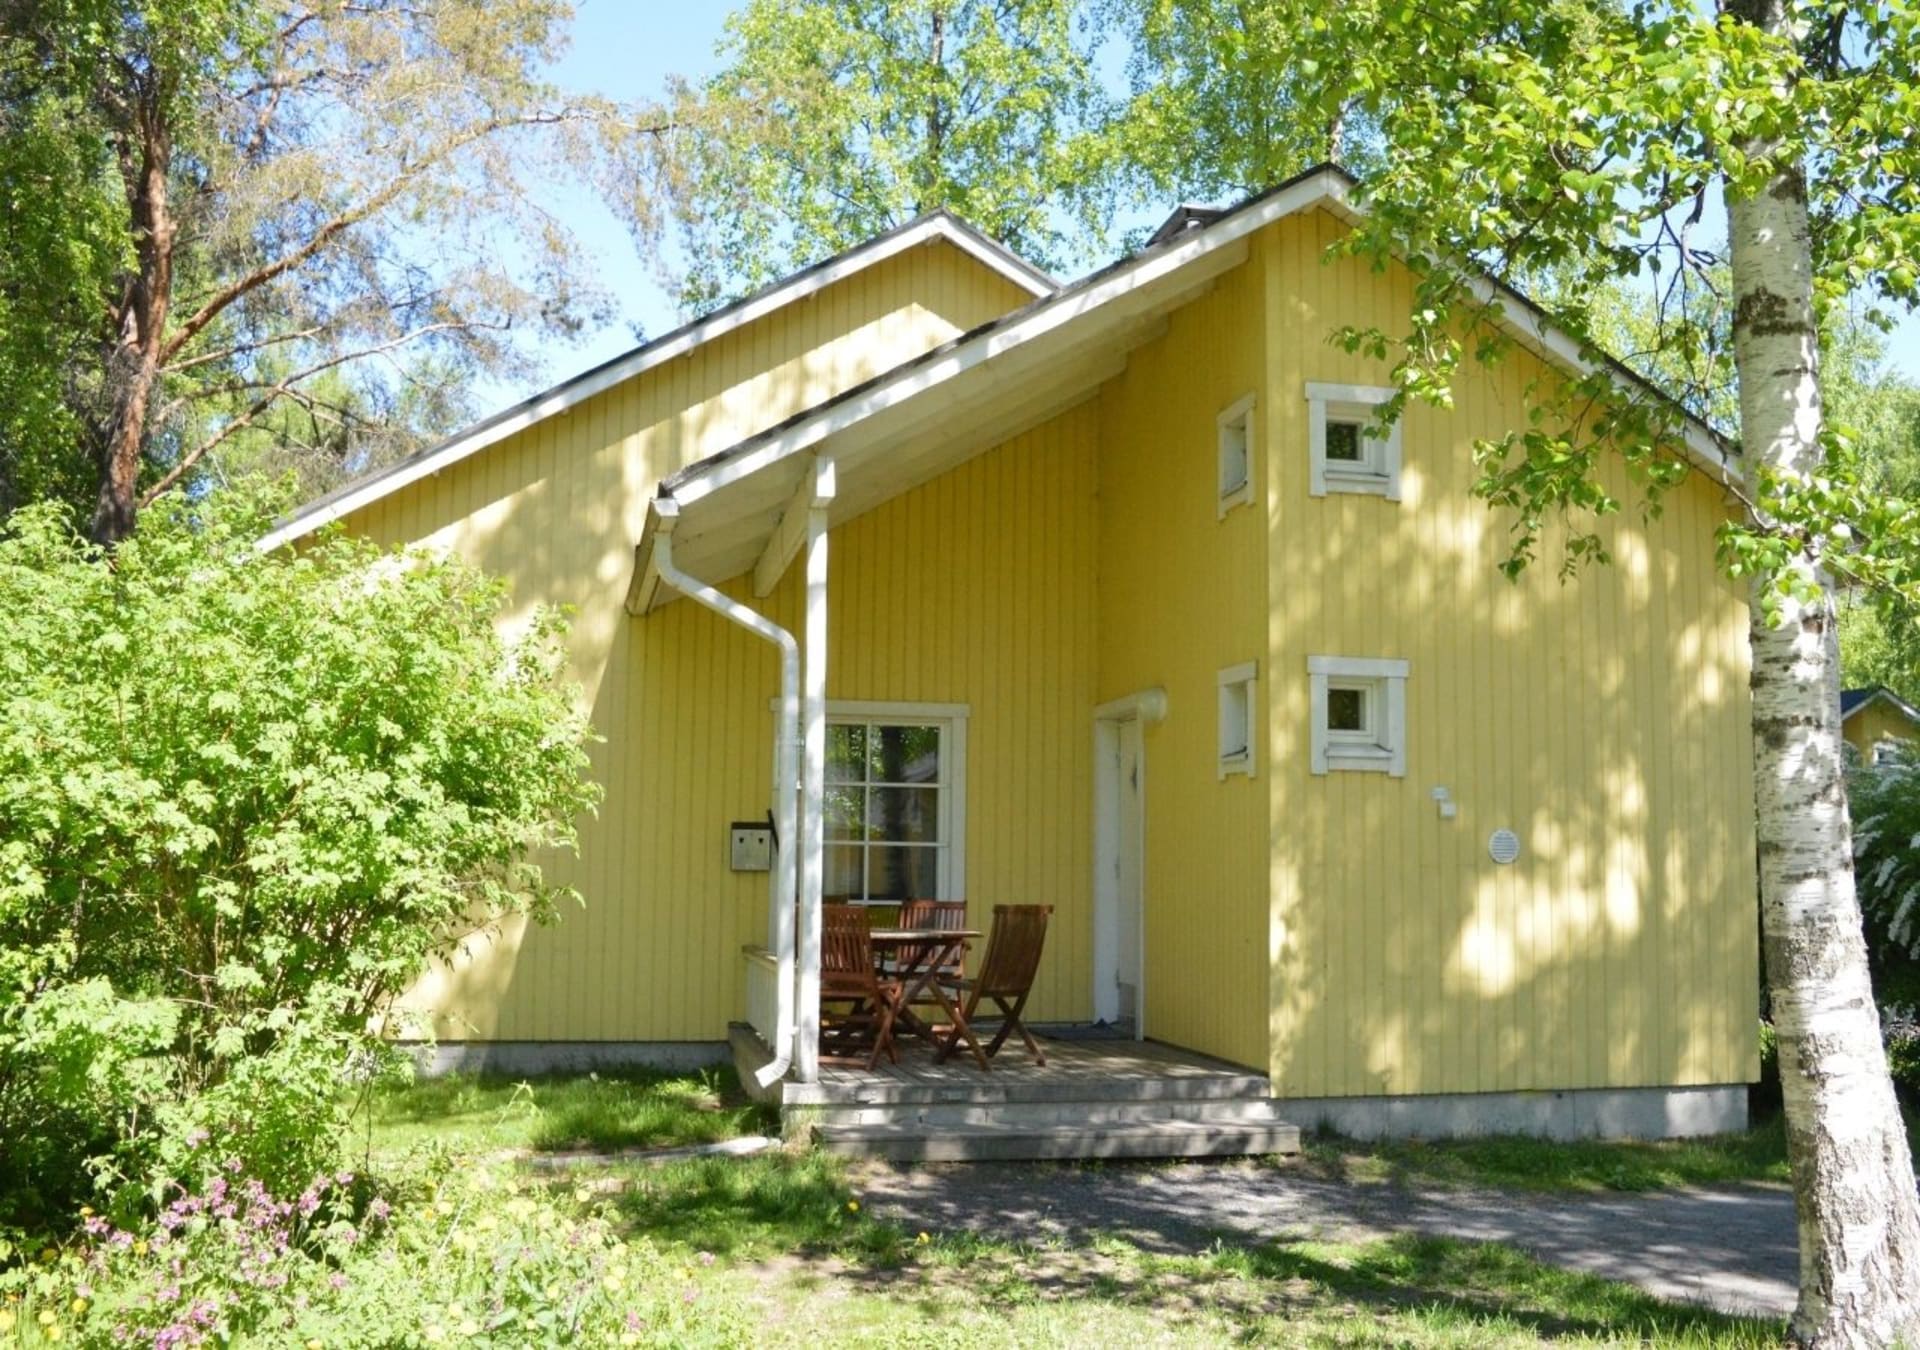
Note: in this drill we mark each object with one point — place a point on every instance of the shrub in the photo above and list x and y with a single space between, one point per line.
243 801
1886 806
452 1255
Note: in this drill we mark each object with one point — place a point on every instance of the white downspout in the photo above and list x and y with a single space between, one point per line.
785 771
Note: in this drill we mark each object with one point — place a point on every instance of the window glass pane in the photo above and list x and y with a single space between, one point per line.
1343 442
904 815
843 863
846 753
1346 709
904 754
900 873
846 812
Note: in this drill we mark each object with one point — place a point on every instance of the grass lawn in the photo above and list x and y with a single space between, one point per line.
1517 1163
627 1109
786 1234
1541 1165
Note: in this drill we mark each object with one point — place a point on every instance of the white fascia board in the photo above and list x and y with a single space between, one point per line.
1536 331
1042 319
938 226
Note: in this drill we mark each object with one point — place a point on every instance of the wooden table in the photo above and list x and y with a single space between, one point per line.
922 952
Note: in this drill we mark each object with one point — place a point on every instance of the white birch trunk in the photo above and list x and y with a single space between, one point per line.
1852 1172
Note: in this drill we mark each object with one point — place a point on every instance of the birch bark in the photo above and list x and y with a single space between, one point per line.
1852 1170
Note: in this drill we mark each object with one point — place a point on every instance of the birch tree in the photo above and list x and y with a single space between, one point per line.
1608 148
312 196
831 121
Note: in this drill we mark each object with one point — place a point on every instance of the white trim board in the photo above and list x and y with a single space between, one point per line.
1323 187
938 225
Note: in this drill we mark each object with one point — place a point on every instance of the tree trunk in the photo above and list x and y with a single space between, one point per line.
1852 1172
133 357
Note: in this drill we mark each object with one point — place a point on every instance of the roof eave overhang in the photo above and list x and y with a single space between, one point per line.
934 227
1327 188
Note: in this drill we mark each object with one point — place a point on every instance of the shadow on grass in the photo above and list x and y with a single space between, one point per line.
793 1220
597 1111
1488 1282
768 1204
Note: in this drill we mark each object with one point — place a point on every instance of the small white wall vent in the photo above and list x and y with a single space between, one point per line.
1503 846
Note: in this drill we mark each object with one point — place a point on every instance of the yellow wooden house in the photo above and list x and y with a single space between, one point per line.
1105 595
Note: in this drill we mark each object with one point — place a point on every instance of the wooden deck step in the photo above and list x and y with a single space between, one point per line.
969 1087
1248 1109
1003 1142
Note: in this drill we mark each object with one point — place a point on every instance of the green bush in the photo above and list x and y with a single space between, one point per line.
244 800
447 1255
1885 797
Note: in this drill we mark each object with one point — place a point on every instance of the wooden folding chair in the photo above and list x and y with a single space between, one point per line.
847 976
1006 977
946 916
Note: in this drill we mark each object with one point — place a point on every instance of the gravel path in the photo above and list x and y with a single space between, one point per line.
1731 1248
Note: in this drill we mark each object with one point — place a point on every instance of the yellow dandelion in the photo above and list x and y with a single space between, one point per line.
456 1312
48 1254
923 1239
140 1247
47 1319
853 1206
582 1194
79 1305
86 1211
56 1333
313 1343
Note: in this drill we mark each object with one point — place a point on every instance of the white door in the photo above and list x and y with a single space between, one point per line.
1117 912
1126 974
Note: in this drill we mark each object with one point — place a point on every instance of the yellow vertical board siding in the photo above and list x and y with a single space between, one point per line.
977 589
680 700
1875 723
1182 596
1605 721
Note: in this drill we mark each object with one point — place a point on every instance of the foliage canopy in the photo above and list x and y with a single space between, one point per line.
244 801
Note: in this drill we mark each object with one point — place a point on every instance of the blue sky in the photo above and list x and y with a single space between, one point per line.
627 49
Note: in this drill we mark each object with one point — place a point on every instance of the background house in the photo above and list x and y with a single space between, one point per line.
1874 717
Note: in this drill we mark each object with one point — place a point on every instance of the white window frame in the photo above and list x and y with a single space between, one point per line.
1239 720
951 718
1381 746
1234 432
1378 471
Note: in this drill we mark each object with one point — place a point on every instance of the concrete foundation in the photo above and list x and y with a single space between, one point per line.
1573 1113
535 1057
750 1055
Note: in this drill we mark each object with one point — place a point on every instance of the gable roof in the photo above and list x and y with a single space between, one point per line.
993 380
1854 700
935 225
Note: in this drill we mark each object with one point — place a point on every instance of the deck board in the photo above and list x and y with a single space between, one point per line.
1076 1069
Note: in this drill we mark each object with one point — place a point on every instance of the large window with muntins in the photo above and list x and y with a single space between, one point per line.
891 813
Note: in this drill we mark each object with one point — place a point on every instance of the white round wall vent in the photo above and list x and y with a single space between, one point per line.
1503 846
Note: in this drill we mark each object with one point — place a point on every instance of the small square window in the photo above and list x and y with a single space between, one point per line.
1343 442
1236 455
1347 451
1237 719
1358 707
1347 709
